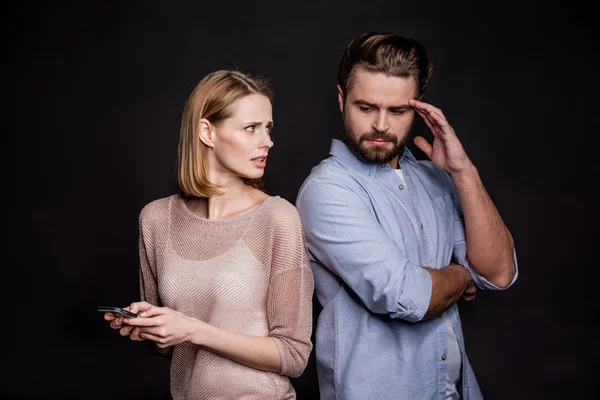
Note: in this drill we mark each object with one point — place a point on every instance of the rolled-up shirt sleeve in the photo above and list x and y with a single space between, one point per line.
460 248
343 233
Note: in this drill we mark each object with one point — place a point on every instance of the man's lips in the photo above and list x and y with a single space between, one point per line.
378 142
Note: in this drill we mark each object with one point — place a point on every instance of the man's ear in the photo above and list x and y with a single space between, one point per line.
207 132
340 97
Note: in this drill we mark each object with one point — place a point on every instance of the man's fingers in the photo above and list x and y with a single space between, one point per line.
431 123
428 120
472 289
421 105
422 144
444 126
433 117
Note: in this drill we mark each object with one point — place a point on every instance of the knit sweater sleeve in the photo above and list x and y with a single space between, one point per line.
289 307
147 256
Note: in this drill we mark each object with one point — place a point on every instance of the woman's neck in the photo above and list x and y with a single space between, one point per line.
236 198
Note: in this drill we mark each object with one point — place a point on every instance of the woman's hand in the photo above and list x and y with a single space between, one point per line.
162 325
116 322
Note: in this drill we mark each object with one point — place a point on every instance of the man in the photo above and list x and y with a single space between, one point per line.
395 242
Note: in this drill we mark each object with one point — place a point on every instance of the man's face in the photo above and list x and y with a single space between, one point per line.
376 115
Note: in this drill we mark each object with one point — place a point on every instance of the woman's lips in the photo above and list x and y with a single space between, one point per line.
260 162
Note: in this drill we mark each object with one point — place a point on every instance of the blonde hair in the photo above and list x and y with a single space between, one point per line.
211 99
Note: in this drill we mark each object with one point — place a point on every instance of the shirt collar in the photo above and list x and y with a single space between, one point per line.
350 159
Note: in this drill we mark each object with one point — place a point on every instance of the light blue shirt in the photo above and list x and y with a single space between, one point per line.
369 234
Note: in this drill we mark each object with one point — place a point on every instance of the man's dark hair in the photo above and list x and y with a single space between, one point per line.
388 53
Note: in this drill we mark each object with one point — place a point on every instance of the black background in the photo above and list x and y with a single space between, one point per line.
92 98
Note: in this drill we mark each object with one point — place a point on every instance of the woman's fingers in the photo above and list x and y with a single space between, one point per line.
125 330
116 323
109 316
160 341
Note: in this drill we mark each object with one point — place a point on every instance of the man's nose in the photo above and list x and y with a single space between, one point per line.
381 122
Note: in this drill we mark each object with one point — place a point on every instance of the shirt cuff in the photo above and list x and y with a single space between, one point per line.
480 281
415 295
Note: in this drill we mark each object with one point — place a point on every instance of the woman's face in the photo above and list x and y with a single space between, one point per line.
242 141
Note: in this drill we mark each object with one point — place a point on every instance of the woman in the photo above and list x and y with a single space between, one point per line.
224 275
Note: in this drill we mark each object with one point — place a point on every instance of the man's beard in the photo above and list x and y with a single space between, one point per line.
373 154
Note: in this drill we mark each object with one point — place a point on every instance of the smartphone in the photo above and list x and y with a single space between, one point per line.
117 310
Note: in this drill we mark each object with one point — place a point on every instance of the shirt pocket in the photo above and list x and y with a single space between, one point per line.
445 218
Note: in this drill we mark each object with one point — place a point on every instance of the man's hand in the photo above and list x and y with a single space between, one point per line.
470 292
447 152
448 285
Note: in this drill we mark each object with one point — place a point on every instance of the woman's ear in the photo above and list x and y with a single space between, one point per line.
207 132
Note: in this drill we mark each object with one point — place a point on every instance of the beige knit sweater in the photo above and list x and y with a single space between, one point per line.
248 274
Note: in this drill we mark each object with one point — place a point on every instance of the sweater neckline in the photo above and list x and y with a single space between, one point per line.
181 204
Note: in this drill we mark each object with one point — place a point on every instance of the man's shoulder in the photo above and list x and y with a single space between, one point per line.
330 182
329 171
433 177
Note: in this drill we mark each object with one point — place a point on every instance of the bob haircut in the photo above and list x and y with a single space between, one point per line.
211 99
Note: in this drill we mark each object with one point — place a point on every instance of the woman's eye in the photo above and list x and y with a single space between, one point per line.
250 128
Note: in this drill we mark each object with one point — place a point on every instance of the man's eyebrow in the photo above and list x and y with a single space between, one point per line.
365 103
400 107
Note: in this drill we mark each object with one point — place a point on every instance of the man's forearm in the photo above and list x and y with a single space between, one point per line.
490 246
448 285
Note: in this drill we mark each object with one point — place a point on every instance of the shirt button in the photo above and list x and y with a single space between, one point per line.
401 187
443 357
421 226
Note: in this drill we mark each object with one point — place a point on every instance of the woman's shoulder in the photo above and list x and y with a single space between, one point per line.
157 209
279 211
